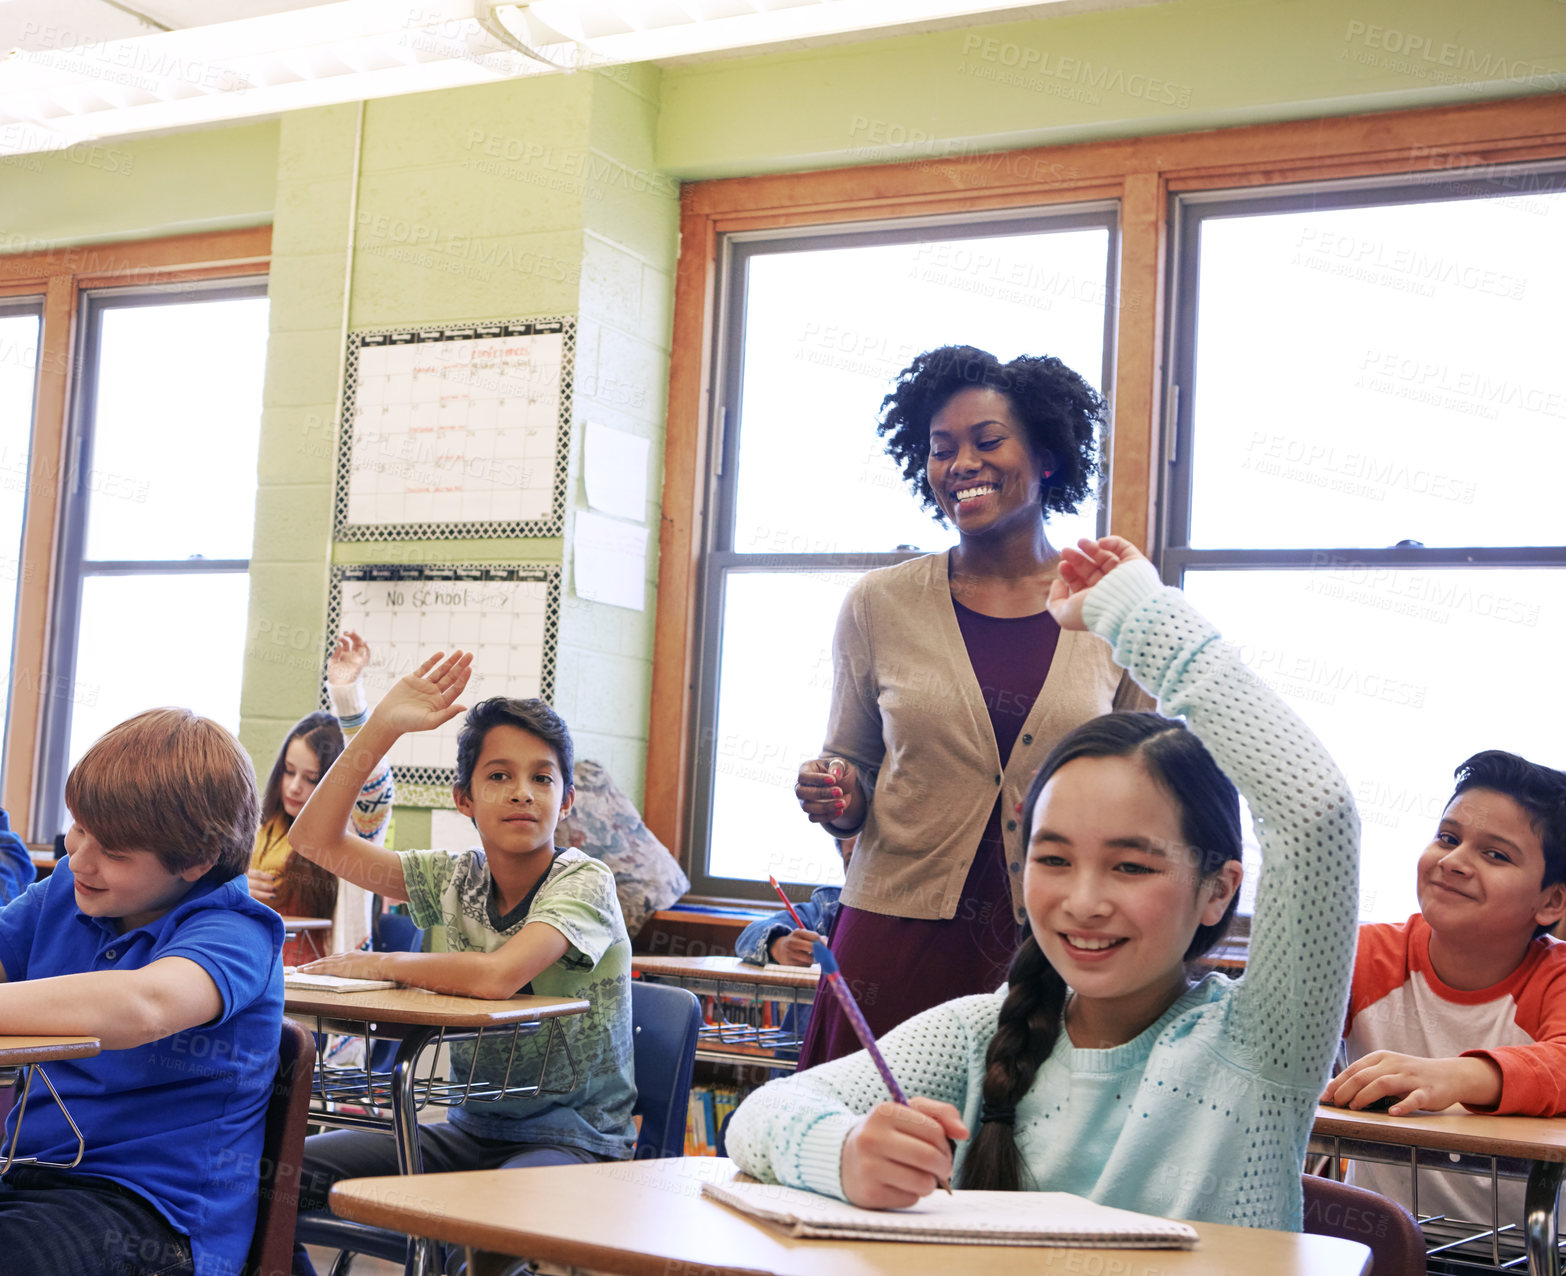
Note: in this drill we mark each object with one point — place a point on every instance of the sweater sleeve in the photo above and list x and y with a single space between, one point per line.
791 1131
1287 1015
854 721
372 808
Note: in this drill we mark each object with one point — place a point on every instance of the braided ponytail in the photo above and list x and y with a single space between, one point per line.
1024 1037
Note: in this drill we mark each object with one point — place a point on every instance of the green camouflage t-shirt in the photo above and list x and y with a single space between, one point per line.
450 896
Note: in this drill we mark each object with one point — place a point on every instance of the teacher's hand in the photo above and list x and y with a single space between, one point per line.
1082 566
828 792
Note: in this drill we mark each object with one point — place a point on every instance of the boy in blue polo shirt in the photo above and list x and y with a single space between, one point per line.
147 938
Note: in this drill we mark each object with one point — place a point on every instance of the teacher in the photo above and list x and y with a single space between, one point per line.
951 682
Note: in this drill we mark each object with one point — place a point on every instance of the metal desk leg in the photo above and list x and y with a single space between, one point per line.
405 1129
1544 1184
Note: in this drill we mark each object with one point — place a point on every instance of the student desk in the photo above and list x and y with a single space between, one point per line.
415 1019
307 926
741 1043
27 1053
648 1218
1375 1136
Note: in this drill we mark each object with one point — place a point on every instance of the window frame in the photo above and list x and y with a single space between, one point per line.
1140 174
72 567
1173 553
21 304
60 274
720 559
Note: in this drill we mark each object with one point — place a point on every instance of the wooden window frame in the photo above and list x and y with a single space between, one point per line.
1141 174
59 276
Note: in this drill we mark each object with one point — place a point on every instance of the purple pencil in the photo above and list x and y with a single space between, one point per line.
856 1017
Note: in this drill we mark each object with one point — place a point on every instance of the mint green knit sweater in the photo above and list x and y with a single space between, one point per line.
1206 1114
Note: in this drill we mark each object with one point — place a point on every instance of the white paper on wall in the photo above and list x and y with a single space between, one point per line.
610 559
614 469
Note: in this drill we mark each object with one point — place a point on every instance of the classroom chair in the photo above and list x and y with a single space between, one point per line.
1397 1246
665 1022
282 1150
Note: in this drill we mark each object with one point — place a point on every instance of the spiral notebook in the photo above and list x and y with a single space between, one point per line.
964 1218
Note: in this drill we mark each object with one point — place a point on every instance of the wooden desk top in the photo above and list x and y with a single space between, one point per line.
1531 1138
431 1009
725 970
15 1052
648 1218
293 925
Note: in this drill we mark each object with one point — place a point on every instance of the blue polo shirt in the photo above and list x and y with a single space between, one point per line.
179 1120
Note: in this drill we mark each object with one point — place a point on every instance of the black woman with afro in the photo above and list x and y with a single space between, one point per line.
951 682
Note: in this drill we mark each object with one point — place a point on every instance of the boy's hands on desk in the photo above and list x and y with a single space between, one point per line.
349 966
896 1156
1416 1084
427 697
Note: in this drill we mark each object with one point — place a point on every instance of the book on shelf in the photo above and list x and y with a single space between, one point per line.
965 1218
709 1107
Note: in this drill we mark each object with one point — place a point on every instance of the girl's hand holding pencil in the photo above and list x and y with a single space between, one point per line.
901 1151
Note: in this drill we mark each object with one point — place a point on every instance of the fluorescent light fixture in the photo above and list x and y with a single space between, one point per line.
358 49
613 31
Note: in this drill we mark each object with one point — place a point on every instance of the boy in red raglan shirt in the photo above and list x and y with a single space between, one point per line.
1465 1003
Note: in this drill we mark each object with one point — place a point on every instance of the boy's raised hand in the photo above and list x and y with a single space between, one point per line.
348 659
1082 566
427 697
896 1155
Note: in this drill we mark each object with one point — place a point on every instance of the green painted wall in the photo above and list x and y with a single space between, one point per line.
507 201
139 188
1163 68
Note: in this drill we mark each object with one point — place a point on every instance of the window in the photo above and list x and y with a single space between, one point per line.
21 324
1362 486
814 329
158 513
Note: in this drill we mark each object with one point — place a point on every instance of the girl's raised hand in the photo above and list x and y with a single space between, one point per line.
427 697
1082 566
348 659
897 1155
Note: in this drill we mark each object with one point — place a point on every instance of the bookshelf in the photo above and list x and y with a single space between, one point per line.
750 1031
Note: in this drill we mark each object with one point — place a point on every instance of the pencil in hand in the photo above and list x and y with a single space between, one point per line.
856 1017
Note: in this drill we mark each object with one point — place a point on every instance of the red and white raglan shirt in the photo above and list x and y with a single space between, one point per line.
1399 1003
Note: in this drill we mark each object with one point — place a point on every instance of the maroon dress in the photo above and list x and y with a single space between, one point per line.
898 966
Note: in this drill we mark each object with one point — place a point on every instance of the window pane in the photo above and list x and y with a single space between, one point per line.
1402 674
775 683
178 420
19 336
826 333
126 663
1371 375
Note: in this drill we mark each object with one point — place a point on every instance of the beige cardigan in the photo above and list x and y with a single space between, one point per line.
908 712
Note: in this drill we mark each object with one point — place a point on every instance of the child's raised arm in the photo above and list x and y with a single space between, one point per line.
421 701
1288 1014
